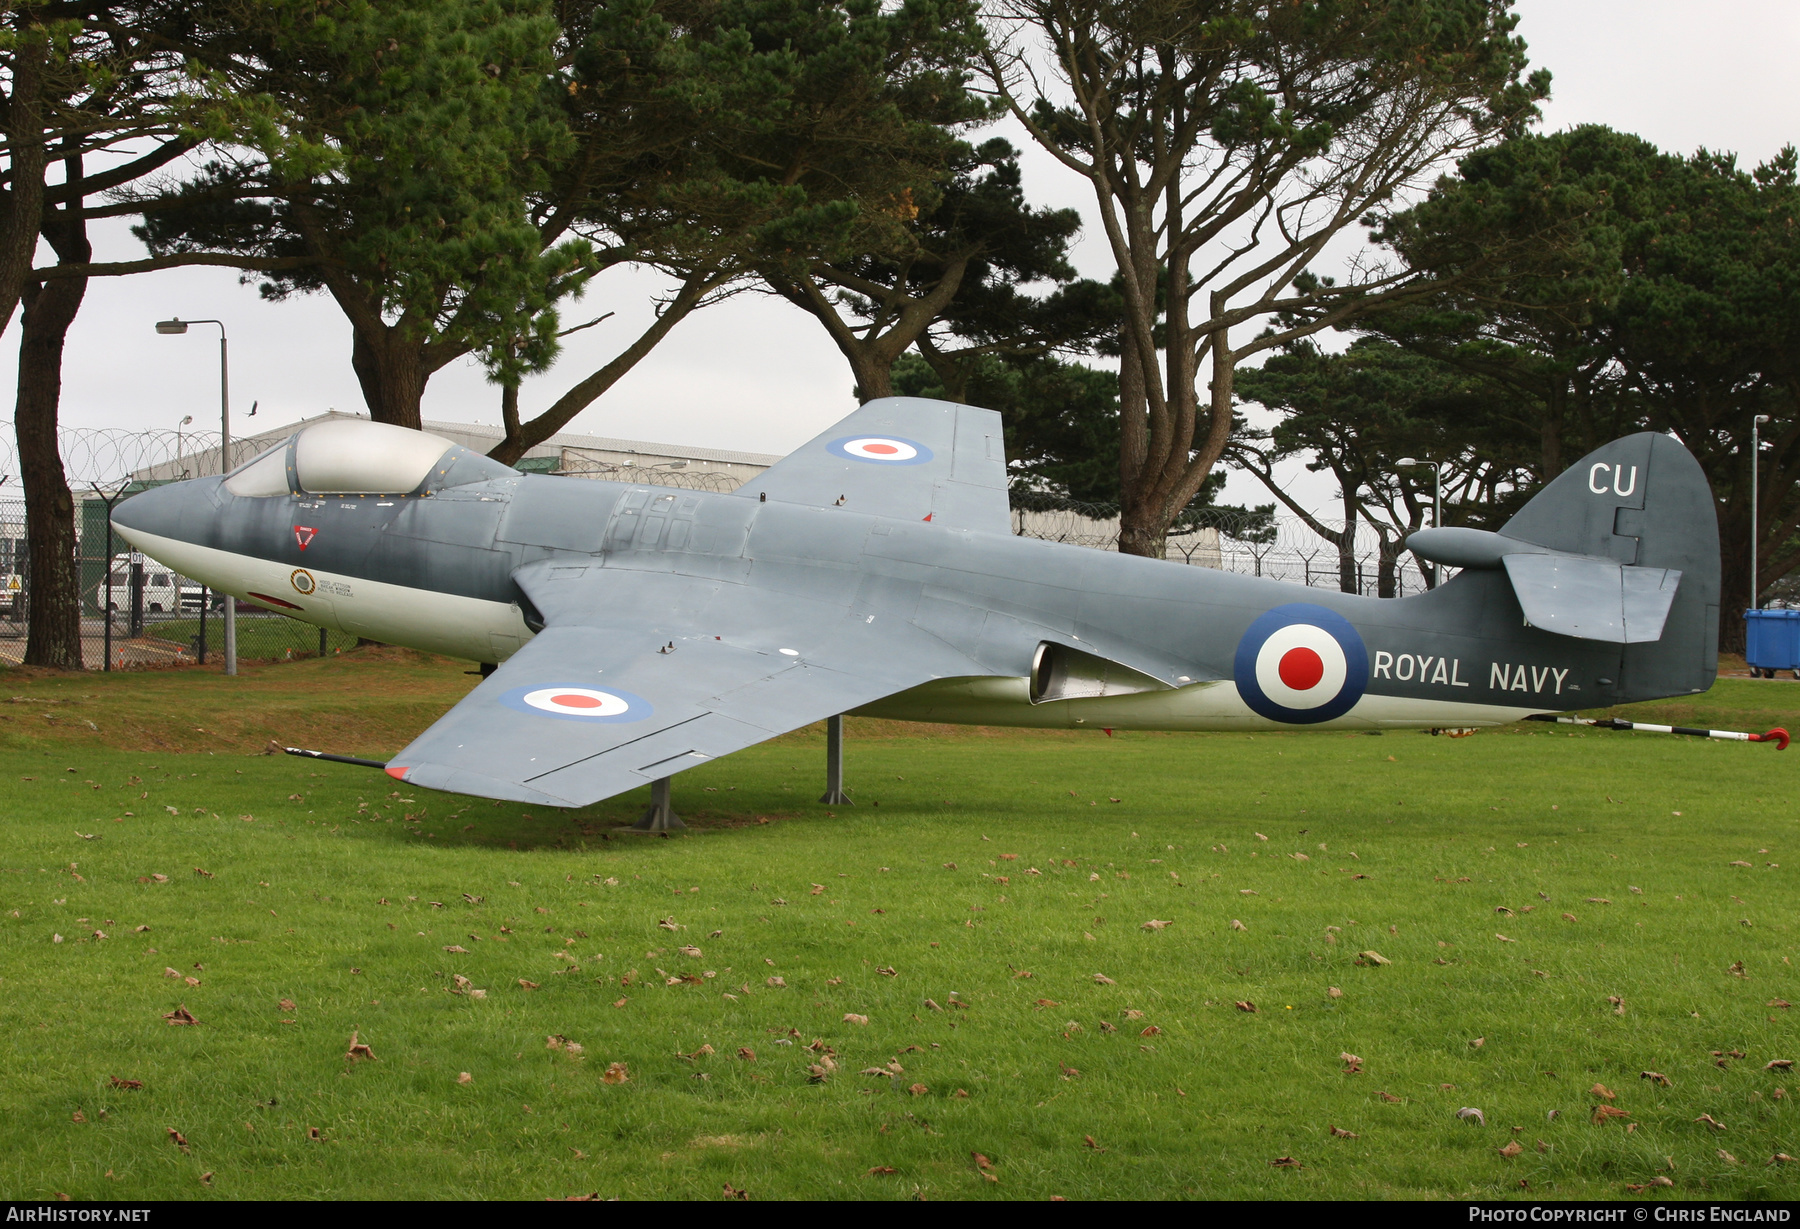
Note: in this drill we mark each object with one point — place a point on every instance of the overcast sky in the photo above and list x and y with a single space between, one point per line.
754 373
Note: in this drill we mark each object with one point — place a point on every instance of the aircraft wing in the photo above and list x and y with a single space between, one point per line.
901 457
640 675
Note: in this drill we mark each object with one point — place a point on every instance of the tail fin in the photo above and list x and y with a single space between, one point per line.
1644 502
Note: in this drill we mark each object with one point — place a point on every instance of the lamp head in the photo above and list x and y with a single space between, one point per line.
1407 461
185 421
177 325
1761 418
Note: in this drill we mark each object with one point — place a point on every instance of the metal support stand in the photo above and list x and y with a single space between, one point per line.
205 597
322 644
834 764
661 816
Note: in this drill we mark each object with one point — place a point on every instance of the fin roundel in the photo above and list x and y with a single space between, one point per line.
880 449
1301 664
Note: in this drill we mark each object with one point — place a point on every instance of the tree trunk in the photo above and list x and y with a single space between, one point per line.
874 374
392 371
54 635
23 203
1347 577
1387 576
521 437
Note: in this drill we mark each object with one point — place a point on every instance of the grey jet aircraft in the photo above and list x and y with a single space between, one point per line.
629 632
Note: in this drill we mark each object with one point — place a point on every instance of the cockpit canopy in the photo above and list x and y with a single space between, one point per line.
352 456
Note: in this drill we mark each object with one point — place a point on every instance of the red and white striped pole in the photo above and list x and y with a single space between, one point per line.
1777 736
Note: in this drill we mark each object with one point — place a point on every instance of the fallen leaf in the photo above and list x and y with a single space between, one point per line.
1157 924
1781 1158
287 1005
1778 1064
1728 1158
1601 1090
851 1017
1478 1043
1286 1162
1709 1120
778 982
531 985
1237 925
127 1085
1503 938
1334 992
734 1192
1470 1114
1373 957
881 1170
1511 1150
918 1090
1340 1133
1389 1097
181 1015
1618 1004
1605 1113
357 1049
457 948
615 1073
463 1077
1655 1077
177 1138
1246 1005
747 1054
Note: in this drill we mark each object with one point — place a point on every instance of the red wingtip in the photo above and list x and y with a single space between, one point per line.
1777 735
1108 732
395 771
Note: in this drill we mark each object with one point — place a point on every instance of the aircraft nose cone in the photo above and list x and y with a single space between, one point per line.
172 511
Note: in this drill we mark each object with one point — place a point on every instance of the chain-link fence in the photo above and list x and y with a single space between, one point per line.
1254 544
135 613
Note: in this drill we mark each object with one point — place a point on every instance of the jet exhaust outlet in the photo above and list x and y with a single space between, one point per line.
1059 672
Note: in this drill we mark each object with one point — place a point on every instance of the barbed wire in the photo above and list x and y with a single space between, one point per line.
109 456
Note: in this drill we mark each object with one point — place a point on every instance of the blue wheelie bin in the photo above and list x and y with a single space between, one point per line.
1772 642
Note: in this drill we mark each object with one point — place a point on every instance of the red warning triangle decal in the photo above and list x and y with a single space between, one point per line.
303 534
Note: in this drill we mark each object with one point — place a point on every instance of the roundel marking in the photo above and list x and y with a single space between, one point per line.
302 581
1301 664
880 449
575 703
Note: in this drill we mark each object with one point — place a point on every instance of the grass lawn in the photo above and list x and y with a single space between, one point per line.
810 1004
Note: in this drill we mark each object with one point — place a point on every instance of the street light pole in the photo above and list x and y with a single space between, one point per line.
176 326
1755 504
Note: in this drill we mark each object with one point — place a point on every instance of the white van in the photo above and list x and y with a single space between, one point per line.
164 591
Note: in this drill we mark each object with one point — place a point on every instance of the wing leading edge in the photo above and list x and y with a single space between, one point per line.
615 698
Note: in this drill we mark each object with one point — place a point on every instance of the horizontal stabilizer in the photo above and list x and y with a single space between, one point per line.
1592 599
